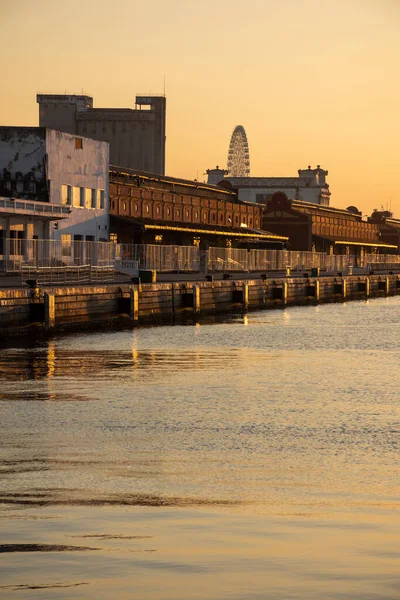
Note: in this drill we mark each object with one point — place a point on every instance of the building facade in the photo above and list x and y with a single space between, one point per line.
311 227
136 136
61 178
309 186
389 227
150 209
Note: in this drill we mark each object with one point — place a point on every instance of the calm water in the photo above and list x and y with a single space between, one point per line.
252 459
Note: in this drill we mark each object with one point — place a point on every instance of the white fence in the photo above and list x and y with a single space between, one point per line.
14 253
162 258
128 258
382 258
242 261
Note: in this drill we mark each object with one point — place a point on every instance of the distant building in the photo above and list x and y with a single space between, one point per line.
148 209
312 227
215 176
136 136
309 186
52 185
388 226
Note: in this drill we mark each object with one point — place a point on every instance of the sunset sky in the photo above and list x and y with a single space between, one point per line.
312 81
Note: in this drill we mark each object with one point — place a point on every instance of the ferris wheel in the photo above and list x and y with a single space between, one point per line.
238 154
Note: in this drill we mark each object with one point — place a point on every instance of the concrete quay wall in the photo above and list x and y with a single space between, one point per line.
75 307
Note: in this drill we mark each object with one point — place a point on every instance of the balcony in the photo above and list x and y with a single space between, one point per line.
15 206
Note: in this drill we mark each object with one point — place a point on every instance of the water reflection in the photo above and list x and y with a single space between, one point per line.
50 361
260 452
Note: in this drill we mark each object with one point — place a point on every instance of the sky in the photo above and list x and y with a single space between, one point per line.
312 81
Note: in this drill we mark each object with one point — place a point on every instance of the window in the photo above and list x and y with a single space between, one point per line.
100 199
93 198
78 143
66 195
15 241
66 244
88 198
113 238
76 197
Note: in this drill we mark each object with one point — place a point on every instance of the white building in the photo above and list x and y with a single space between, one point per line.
309 186
52 185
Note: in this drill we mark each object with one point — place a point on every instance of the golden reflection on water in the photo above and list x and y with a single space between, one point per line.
249 459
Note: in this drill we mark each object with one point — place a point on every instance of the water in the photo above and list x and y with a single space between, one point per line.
255 458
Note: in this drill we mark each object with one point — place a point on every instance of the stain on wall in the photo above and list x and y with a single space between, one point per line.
23 163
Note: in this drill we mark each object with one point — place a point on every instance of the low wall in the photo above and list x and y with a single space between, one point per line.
61 308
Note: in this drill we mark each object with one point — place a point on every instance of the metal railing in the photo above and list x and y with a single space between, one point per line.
67 275
162 258
32 207
382 258
242 261
58 253
15 252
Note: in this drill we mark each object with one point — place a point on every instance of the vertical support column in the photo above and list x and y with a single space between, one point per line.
344 288
245 296
29 230
134 298
6 242
196 299
387 285
284 292
317 288
49 311
367 287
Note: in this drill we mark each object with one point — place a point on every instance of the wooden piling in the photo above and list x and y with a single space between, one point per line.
196 299
49 311
317 290
134 297
284 293
245 296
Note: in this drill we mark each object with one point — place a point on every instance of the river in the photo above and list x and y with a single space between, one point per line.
250 458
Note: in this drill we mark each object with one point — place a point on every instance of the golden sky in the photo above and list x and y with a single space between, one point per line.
312 81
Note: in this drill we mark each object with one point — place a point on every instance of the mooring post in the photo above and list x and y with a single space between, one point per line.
367 287
245 296
134 297
317 288
196 299
344 289
284 292
387 285
49 311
